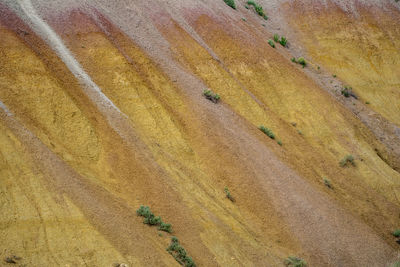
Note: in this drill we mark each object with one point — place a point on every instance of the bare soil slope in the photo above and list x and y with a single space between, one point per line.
101 111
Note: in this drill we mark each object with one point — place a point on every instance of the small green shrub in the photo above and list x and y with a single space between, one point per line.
346 160
228 194
166 227
396 233
244 19
211 96
295 262
302 61
271 43
151 219
257 7
265 17
246 6
280 142
230 3
283 41
397 263
334 76
179 253
207 93
267 131
327 183
293 59
347 91
144 211
276 38
367 102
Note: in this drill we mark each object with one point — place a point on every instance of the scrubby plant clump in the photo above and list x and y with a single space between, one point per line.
258 9
327 183
347 91
230 3
283 41
349 159
295 262
179 253
166 227
228 194
151 219
271 43
302 61
211 96
396 233
267 131
276 38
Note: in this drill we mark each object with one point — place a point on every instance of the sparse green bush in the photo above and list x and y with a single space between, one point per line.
228 194
271 43
211 96
347 91
396 233
334 75
346 160
295 262
267 131
276 38
230 3
244 19
280 142
179 253
265 17
327 183
302 61
283 41
258 8
166 227
367 102
151 219
246 6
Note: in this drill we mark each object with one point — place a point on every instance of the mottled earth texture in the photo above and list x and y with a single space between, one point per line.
102 111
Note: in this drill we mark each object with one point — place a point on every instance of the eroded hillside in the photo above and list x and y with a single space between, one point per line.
102 111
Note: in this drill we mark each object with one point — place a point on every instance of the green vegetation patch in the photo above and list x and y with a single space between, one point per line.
228 194
211 96
230 3
396 233
267 131
349 159
179 253
258 9
151 219
295 262
300 61
271 43
327 183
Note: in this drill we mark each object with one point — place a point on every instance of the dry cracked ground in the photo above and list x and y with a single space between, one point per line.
102 111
